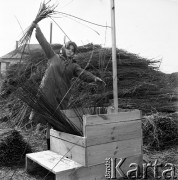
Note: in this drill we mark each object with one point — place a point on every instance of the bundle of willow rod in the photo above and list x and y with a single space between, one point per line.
33 96
45 11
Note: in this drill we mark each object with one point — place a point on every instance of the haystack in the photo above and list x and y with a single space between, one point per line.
160 131
140 83
13 148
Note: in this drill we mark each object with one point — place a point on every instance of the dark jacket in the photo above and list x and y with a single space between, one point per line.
56 81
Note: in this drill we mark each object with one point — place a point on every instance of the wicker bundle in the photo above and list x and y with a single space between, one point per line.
45 11
33 96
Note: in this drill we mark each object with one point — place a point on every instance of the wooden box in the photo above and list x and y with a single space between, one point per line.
114 135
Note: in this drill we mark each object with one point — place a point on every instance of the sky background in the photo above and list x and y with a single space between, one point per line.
148 28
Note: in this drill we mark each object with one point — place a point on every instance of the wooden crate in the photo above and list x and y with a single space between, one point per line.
114 135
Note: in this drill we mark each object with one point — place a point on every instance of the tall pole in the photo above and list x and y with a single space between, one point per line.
51 29
114 60
48 125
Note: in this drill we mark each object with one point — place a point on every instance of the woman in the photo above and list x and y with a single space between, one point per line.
61 68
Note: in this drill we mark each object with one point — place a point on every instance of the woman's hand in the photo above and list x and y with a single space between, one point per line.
98 80
34 25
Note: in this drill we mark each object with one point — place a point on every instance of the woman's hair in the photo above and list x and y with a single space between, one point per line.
67 44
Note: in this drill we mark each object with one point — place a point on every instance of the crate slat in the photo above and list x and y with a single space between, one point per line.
78 140
111 118
105 133
68 149
98 153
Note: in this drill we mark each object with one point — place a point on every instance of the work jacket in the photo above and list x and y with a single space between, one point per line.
56 82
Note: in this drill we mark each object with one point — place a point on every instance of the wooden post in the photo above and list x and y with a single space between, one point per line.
17 45
51 28
114 60
48 136
0 69
48 125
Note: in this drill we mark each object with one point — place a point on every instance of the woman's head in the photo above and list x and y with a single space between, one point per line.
70 49
71 44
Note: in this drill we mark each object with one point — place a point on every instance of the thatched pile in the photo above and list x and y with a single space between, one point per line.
140 83
13 148
160 131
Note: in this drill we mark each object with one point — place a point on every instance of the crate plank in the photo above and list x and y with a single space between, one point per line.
104 133
98 153
111 118
78 140
68 149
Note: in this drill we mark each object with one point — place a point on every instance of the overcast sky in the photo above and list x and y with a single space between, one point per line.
145 27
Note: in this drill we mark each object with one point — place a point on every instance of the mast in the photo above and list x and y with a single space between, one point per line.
114 60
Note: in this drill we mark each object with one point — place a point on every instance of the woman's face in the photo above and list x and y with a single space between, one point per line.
70 51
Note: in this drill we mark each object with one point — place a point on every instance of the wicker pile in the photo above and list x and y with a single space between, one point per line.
13 148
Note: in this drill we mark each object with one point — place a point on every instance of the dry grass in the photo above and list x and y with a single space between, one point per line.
160 131
162 157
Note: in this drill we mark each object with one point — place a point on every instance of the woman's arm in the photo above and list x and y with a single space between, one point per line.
85 75
44 43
